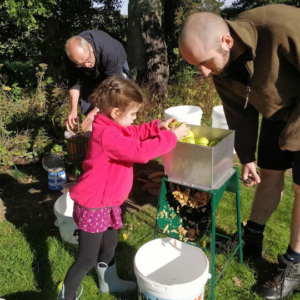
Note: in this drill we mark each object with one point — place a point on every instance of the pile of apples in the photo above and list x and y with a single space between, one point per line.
190 138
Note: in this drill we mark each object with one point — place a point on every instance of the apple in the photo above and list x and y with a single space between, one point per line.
189 140
214 142
174 124
203 141
191 134
59 286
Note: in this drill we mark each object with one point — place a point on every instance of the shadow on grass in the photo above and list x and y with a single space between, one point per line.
28 205
264 270
25 201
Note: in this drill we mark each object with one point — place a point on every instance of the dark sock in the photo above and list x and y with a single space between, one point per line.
252 227
112 262
292 255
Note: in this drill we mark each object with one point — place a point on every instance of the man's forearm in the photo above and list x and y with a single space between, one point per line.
74 98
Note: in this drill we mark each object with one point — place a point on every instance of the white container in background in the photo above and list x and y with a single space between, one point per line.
219 119
168 269
63 210
189 114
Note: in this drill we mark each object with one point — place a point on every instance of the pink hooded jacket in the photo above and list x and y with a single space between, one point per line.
108 174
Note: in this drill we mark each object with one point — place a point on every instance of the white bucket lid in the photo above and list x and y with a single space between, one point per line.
171 265
183 112
64 206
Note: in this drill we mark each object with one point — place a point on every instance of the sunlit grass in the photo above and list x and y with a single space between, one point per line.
34 260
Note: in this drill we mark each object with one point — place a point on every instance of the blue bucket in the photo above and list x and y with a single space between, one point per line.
57 180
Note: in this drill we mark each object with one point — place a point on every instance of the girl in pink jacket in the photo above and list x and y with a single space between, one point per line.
115 145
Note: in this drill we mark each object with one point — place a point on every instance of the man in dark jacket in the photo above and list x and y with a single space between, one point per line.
91 57
255 63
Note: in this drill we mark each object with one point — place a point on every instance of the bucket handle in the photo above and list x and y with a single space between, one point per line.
159 286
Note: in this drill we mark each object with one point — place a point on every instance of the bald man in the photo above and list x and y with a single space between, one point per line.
91 57
255 64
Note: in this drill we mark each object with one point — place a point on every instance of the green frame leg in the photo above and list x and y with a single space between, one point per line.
231 185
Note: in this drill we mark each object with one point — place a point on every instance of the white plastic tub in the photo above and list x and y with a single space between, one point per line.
63 210
168 269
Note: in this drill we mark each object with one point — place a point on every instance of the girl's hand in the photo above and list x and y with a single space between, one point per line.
165 124
181 131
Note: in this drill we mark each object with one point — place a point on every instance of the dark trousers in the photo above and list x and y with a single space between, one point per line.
92 248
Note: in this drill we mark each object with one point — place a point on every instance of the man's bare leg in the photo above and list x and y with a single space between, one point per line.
267 196
295 227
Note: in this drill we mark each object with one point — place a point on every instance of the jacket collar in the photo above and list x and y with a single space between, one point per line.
102 119
247 33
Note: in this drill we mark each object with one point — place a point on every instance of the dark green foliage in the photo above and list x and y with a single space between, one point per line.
37 31
175 12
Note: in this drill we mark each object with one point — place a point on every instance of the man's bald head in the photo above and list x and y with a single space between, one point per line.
80 52
205 42
204 27
75 46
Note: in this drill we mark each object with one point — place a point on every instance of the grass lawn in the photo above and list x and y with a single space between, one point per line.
34 259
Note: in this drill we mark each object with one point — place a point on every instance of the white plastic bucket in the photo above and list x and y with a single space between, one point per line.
63 210
167 269
185 113
56 180
219 119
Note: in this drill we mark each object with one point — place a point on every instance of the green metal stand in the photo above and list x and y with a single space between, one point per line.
231 185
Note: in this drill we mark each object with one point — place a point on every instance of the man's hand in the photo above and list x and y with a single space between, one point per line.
71 120
249 174
165 124
87 123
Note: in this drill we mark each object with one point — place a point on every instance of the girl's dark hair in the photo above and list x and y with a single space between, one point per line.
115 92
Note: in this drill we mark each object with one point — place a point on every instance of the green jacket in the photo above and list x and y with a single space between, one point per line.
268 74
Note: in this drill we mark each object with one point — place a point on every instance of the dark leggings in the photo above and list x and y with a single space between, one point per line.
92 248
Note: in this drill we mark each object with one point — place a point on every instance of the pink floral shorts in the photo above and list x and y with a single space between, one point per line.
97 220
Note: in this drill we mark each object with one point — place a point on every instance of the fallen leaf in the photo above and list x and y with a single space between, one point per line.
150 185
156 176
237 282
153 192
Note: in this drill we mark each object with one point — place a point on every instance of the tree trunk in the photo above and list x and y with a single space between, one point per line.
52 42
136 51
157 57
